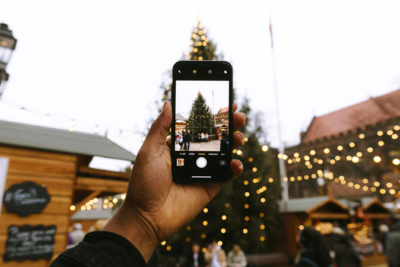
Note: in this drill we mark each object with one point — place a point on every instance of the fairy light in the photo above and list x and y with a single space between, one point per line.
349 158
376 184
246 182
285 157
245 231
382 191
395 136
72 208
296 155
247 194
352 144
292 179
163 243
359 154
254 169
365 181
264 148
361 136
379 133
306 157
205 223
392 191
205 210
357 186
337 158
326 150
396 161
262 238
390 132
365 188
373 189
223 217
350 184
340 148
381 143
389 185
223 230
301 227
312 152
370 149
377 159
239 152
270 180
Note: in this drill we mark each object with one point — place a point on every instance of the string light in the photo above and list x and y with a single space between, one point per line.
262 226
373 189
395 136
262 238
169 248
262 200
223 217
272 179
382 191
326 150
376 184
245 231
350 184
250 159
337 158
379 133
381 143
223 230
392 191
365 188
361 136
340 148
205 223
312 152
246 182
357 186
188 227
390 132
396 127
246 206
365 181
370 149
377 159
246 218
352 144
254 169
301 227
239 152
163 243
264 148
359 154
205 210
247 194
396 161
389 185
72 208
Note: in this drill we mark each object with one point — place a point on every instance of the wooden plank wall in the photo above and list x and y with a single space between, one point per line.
56 172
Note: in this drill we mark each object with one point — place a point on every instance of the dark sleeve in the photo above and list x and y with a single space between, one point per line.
101 249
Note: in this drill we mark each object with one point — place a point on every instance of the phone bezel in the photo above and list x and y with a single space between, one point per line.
202 68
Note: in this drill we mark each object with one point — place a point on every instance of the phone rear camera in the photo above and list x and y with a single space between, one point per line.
194 71
210 71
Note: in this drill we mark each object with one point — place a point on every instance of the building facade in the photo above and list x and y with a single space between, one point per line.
354 151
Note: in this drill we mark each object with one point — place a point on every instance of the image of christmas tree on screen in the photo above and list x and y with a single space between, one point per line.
202 116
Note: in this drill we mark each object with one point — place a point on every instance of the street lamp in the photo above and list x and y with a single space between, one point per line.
7 46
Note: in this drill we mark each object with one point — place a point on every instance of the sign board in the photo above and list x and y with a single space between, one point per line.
26 198
3 176
29 242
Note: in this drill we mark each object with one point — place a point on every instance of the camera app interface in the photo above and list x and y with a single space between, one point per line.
202 117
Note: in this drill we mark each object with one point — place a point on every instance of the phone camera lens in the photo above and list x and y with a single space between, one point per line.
225 72
210 71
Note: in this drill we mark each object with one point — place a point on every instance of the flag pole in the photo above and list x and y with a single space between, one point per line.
282 167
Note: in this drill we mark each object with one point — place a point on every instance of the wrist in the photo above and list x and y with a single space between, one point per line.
129 223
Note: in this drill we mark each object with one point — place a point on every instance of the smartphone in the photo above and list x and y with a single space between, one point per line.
202 128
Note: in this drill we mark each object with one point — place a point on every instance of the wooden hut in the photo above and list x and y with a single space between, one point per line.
58 162
304 212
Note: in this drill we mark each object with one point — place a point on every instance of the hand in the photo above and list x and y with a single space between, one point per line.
155 206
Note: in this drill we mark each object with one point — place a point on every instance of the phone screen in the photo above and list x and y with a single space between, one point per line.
201 147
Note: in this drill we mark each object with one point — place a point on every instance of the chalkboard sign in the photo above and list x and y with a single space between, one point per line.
29 242
26 198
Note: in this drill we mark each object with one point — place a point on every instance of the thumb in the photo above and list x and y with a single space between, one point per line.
157 135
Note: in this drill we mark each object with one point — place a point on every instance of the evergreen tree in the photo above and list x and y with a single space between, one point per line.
201 48
200 120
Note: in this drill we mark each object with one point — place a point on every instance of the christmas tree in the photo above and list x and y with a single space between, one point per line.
201 48
200 120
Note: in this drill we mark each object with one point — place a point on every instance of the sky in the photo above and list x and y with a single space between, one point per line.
187 91
101 63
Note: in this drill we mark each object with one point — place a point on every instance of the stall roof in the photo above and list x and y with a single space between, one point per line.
179 117
301 204
316 207
50 139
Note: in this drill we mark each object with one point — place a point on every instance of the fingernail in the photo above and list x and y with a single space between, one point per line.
241 164
244 115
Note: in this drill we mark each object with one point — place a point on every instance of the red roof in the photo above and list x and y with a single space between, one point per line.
223 110
360 115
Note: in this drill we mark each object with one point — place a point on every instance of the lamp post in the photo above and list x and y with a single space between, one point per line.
7 47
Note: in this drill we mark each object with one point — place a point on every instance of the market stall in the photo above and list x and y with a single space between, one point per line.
48 178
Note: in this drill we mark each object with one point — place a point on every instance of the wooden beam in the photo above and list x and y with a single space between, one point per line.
320 215
95 184
83 202
103 173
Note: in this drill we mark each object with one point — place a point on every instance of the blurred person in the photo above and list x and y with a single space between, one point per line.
383 231
215 255
206 135
195 257
236 257
177 146
202 137
224 145
345 254
393 246
188 140
184 134
76 235
154 208
313 252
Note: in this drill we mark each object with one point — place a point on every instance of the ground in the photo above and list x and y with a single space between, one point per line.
205 146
